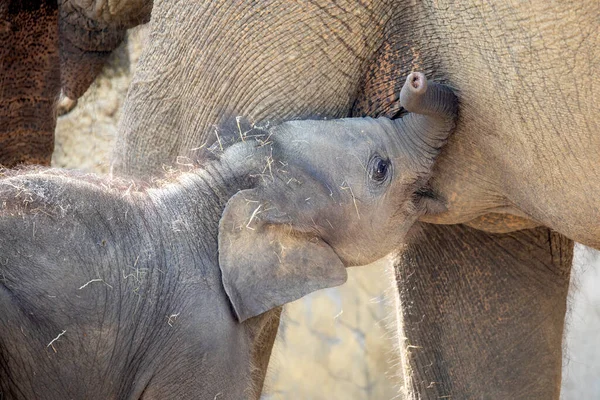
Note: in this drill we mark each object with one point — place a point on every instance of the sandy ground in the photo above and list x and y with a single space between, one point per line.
337 343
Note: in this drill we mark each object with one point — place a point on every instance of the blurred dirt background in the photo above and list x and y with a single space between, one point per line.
337 343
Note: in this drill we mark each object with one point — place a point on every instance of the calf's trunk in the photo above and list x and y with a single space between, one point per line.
433 110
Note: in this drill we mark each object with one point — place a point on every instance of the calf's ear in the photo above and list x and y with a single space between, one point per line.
266 260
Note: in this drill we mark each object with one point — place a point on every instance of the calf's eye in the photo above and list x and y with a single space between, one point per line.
380 169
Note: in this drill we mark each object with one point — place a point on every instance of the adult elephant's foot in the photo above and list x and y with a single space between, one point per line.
481 315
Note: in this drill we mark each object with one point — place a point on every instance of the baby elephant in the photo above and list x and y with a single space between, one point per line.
114 291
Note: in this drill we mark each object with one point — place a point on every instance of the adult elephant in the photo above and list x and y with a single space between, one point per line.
483 289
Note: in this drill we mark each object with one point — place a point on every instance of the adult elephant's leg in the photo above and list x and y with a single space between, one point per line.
481 315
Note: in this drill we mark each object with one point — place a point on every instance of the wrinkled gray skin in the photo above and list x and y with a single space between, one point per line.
111 290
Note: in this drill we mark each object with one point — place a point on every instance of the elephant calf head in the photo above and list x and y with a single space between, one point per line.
136 279
332 194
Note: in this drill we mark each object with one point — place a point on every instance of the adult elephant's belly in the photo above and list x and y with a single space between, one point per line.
527 142
501 223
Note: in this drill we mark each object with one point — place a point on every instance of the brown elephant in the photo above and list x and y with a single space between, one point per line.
50 47
482 301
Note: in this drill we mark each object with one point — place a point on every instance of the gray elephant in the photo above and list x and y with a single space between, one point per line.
115 290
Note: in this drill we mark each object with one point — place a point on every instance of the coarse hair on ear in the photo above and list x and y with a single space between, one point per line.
265 259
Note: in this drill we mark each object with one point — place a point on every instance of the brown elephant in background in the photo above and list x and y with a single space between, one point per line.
482 288
49 47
